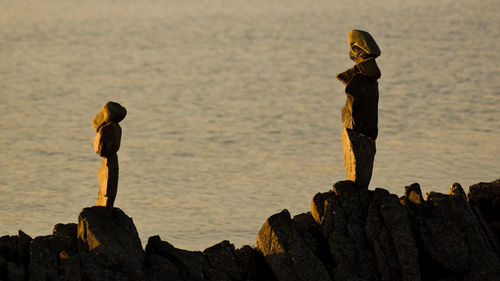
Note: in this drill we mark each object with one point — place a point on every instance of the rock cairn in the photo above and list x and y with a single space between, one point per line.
107 144
360 113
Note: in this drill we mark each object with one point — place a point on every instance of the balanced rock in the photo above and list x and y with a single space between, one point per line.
359 154
111 112
109 246
108 181
107 141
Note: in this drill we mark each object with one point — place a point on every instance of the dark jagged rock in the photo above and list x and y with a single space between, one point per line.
159 268
252 265
190 264
450 239
286 253
413 194
484 199
69 231
350 234
343 229
109 246
222 259
381 240
400 237
217 263
23 247
44 264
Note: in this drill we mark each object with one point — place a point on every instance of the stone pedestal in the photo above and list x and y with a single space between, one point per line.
108 181
359 154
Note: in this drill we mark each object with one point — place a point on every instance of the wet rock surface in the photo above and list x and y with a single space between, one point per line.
351 233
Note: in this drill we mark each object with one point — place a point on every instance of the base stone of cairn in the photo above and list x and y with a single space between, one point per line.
359 154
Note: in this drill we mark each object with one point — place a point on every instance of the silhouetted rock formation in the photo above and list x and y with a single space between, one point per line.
109 246
360 113
351 233
106 144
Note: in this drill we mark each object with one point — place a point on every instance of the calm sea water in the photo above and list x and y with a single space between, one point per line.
233 106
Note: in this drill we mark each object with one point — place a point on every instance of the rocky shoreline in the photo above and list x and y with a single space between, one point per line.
350 234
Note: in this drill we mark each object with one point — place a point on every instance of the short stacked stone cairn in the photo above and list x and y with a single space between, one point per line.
107 144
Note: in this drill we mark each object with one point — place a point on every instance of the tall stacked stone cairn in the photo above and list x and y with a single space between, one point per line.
350 234
107 144
360 113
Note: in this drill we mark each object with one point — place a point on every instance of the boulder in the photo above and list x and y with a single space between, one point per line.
413 194
359 154
109 245
379 237
285 251
486 196
69 265
398 225
110 112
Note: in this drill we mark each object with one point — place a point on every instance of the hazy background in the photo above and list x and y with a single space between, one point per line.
233 106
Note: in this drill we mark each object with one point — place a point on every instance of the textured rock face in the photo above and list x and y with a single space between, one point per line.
217 263
109 246
484 199
351 233
450 237
45 263
286 252
359 154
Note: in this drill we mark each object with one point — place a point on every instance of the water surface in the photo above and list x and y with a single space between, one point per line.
233 106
